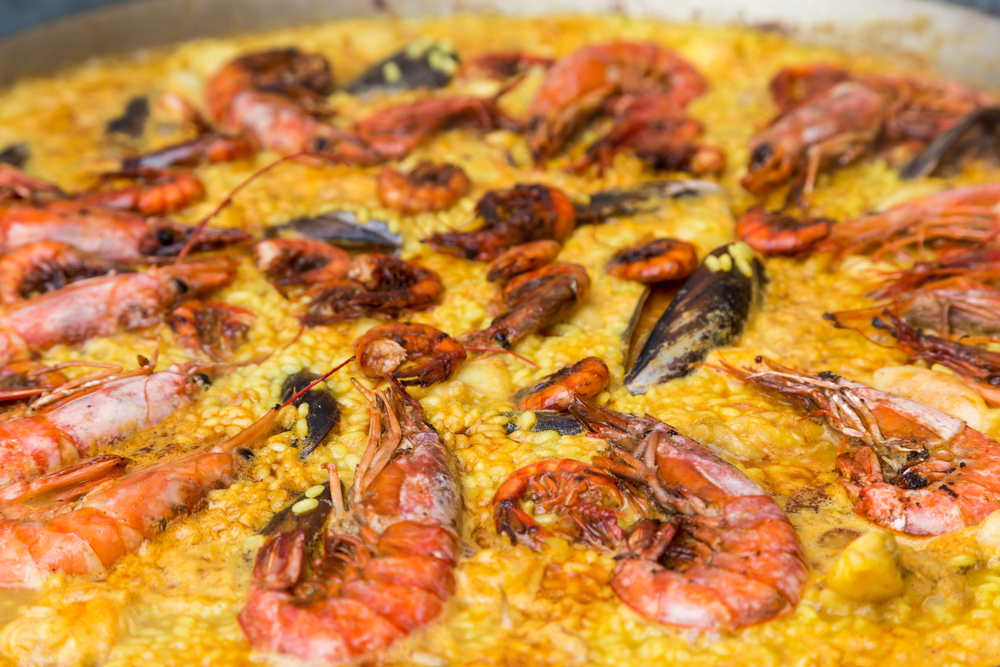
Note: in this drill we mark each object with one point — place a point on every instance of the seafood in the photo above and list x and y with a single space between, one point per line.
428 187
964 269
710 311
831 117
979 368
577 87
586 378
21 380
324 411
775 233
102 306
521 259
655 130
385 566
15 184
340 228
533 301
210 147
376 285
80 520
423 63
276 97
118 236
656 261
158 191
723 556
15 155
522 214
300 261
545 420
45 266
213 327
501 65
907 467
966 214
413 354
68 430
133 121
643 198
974 137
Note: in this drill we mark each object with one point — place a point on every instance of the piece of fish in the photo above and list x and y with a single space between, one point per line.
643 198
975 136
710 311
324 411
422 64
340 228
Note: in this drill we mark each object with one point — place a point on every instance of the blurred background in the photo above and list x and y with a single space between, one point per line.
16 15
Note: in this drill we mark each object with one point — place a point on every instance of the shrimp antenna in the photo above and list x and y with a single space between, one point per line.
228 199
297 395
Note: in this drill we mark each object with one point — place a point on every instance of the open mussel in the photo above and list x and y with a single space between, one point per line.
341 228
424 63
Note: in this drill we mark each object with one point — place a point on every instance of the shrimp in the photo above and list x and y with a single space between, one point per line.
15 184
657 261
20 380
501 65
377 286
68 430
429 187
211 147
80 520
157 191
577 86
118 236
512 217
774 233
658 133
45 266
276 97
586 378
386 565
300 261
978 265
907 466
391 350
212 327
966 214
102 306
521 259
724 555
533 301
979 368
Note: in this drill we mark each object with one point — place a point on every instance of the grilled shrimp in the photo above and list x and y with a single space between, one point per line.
577 87
102 306
377 286
533 301
45 266
966 214
80 520
774 233
157 191
657 261
118 236
522 214
723 556
276 97
429 187
386 562
413 354
301 261
907 467
68 430
586 378
521 259
212 327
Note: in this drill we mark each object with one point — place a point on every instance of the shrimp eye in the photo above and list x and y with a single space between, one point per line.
180 286
760 156
245 453
165 236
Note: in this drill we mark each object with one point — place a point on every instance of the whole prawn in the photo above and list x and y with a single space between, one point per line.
723 556
45 266
102 306
386 562
907 467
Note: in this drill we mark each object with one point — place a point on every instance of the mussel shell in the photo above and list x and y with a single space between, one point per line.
976 135
133 121
15 155
419 65
341 228
562 423
324 411
643 198
710 311
312 521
